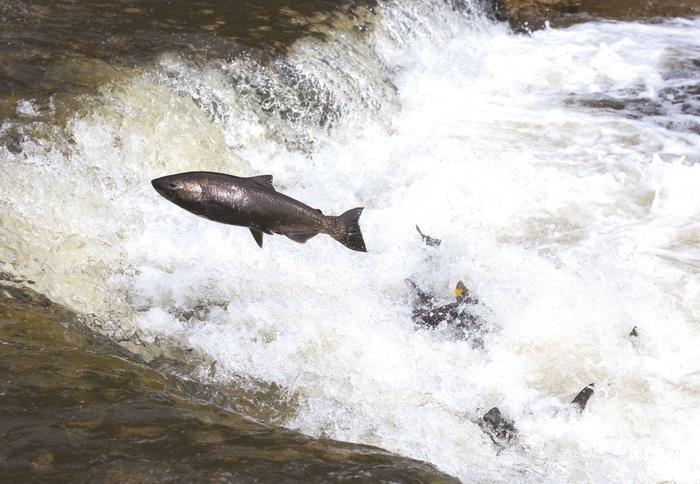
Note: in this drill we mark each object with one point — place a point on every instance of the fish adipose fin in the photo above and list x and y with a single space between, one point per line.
348 230
301 237
264 181
257 235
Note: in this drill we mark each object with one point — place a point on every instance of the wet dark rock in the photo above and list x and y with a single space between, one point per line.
76 409
500 429
16 293
65 48
581 399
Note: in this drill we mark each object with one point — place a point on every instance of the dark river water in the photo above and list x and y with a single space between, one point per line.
138 344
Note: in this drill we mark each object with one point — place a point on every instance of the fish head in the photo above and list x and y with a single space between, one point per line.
182 189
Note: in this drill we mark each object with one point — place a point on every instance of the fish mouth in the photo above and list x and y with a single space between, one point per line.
161 186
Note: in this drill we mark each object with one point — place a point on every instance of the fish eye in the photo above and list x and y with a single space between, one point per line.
172 185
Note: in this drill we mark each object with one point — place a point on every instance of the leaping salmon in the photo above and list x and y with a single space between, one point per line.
254 203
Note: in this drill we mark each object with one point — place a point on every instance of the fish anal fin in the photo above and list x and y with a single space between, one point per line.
300 237
257 235
265 181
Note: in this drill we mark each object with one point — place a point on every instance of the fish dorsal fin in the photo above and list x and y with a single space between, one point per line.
257 235
264 181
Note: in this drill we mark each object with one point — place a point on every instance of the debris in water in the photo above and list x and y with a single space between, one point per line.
427 313
464 295
429 241
581 399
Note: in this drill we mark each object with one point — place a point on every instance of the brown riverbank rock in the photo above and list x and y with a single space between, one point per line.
527 15
638 10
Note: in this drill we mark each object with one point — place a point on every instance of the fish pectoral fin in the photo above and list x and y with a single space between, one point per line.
265 181
257 235
301 236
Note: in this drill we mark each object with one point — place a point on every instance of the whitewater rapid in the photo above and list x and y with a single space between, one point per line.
560 170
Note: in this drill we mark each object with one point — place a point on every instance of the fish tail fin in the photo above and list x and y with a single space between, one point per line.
347 230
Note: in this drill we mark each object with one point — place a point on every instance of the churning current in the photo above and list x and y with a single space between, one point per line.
560 169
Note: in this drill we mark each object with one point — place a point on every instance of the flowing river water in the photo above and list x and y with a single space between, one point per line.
560 169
